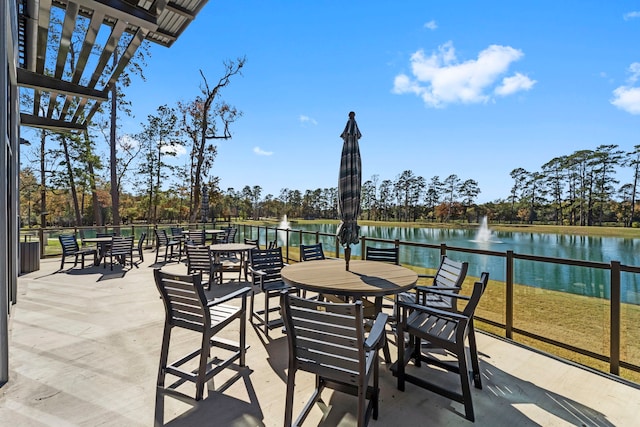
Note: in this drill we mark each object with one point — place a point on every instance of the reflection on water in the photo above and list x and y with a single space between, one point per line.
577 280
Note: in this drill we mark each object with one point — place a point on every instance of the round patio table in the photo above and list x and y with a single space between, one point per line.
101 243
364 278
239 248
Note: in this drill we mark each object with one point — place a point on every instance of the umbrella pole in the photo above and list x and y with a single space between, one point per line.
347 256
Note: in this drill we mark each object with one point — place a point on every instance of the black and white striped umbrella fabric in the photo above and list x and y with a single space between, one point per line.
349 185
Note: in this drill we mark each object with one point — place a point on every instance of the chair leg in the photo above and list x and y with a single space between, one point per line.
243 332
288 408
266 312
465 383
202 367
475 366
400 363
164 355
62 262
251 306
376 386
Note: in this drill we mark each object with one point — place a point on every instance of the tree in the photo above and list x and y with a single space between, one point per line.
469 190
385 198
159 138
555 173
533 193
606 158
519 175
433 194
205 119
451 186
368 198
632 160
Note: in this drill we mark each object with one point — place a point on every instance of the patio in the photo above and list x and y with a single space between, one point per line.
84 348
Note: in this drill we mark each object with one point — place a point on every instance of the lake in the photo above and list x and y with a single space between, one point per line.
578 280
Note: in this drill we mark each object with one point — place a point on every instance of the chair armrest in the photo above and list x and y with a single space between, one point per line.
240 292
443 290
377 331
254 271
430 310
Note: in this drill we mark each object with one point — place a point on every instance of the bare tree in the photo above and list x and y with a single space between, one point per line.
205 119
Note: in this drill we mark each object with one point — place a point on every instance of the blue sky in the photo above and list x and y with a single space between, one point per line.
470 88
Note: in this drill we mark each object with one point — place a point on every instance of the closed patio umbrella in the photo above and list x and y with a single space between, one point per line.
349 188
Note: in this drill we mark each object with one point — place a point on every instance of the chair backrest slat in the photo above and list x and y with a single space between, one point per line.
184 300
199 258
197 237
161 237
311 252
390 255
121 245
252 242
268 261
325 338
451 273
69 243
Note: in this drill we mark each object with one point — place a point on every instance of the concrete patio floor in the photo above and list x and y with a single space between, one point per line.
84 347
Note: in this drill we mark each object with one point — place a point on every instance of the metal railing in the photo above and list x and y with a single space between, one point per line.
508 325
507 316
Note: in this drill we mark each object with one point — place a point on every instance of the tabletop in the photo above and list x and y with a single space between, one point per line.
207 231
231 247
97 239
364 278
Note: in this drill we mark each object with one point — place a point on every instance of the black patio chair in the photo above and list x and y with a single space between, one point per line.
328 340
186 307
442 330
70 248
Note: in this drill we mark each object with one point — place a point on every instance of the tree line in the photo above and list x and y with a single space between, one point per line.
580 188
577 189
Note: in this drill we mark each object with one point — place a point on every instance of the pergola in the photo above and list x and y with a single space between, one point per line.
65 56
71 53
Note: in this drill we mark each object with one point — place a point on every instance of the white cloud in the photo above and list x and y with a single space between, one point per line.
260 152
634 69
631 15
441 79
513 84
431 25
627 97
306 119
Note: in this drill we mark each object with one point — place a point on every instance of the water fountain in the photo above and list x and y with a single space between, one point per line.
284 225
484 233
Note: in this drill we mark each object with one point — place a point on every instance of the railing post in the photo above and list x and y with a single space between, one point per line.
363 247
508 321
614 351
41 237
317 237
443 249
286 240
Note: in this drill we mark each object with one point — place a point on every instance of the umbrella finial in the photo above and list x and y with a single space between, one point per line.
352 115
